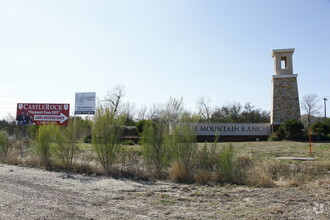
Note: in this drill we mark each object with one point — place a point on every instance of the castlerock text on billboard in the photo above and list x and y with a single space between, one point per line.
42 113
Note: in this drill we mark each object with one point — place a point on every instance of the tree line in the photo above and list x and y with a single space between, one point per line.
230 113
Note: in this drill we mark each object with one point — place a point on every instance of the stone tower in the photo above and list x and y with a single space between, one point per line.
285 89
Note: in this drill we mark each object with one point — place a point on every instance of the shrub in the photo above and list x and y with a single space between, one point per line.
293 129
4 144
67 146
206 158
141 125
280 133
181 146
127 142
155 137
226 165
88 139
327 123
106 134
45 137
153 147
320 128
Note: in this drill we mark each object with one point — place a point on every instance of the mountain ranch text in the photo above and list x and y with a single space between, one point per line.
232 129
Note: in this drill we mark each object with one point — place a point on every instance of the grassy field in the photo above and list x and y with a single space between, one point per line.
272 149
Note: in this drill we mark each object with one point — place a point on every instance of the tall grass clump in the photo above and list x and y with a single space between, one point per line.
67 143
4 144
155 153
153 148
107 131
226 164
207 156
260 175
182 146
45 137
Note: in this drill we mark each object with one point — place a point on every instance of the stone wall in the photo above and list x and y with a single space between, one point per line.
285 99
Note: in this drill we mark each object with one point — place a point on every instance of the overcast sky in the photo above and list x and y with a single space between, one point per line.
221 49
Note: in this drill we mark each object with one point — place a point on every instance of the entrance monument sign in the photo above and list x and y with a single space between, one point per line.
232 129
228 129
285 104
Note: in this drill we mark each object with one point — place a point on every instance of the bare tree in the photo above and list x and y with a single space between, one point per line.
204 108
10 118
114 98
128 111
310 106
142 113
154 112
173 110
168 112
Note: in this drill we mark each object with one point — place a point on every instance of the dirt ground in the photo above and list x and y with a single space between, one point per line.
27 193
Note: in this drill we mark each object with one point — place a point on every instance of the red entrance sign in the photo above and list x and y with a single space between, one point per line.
38 114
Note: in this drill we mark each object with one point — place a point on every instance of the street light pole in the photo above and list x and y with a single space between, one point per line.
325 108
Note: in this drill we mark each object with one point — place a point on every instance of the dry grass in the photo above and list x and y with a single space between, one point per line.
179 173
260 175
255 164
203 176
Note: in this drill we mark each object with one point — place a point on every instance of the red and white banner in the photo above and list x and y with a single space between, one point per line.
38 114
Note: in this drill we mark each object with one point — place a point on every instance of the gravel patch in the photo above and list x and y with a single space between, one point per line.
27 193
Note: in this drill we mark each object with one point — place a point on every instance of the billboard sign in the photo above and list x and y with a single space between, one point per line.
42 113
85 103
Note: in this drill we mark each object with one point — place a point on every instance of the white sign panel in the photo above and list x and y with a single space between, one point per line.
230 129
85 103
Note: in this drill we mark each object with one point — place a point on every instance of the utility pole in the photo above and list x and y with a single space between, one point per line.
325 108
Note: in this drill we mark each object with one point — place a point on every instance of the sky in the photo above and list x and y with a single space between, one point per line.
157 49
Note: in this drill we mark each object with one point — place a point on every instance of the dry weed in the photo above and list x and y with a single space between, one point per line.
202 176
259 175
179 173
11 158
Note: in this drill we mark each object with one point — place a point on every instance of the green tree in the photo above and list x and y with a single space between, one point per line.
236 113
251 114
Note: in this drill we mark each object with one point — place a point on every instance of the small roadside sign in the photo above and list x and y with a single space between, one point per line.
85 103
